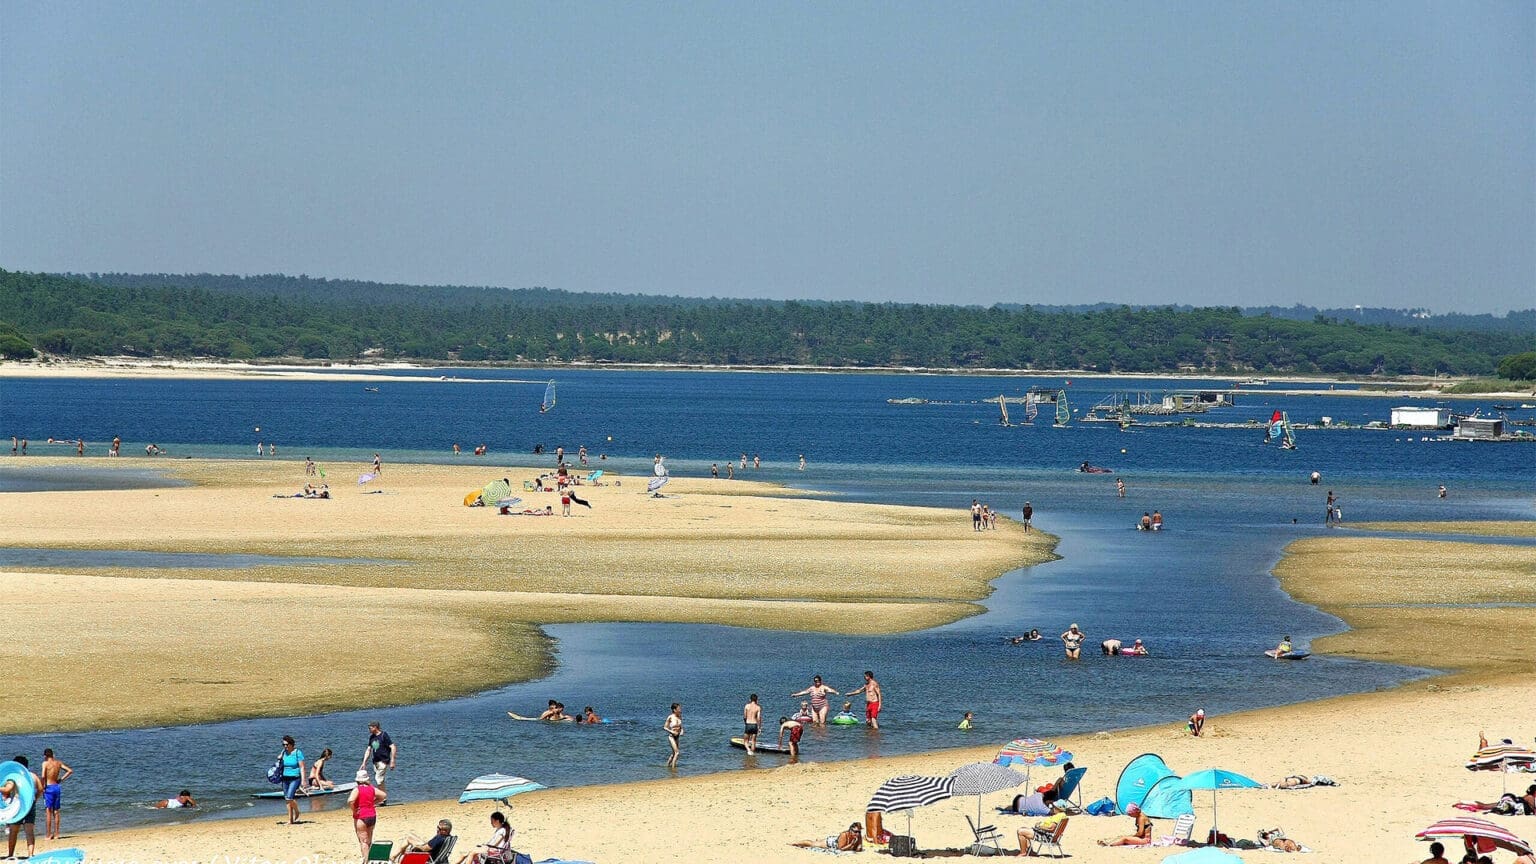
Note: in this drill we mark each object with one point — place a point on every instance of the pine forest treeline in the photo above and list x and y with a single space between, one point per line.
182 317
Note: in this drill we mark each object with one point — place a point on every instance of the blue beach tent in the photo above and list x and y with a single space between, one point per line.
1137 779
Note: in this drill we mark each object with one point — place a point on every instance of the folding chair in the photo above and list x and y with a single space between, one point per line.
380 849
1038 844
984 834
1184 829
1070 794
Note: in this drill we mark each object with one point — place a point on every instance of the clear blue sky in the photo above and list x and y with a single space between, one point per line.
1244 153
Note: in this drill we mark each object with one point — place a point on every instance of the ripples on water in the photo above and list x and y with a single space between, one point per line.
1199 593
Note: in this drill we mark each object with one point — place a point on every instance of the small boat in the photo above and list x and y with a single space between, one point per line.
1254 382
370 389
1289 655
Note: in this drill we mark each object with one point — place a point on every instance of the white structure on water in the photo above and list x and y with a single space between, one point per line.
1422 418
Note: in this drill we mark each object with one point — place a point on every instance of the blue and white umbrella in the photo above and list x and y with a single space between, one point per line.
497 787
1217 779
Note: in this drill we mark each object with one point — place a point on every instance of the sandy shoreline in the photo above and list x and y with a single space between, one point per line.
138 367
713 551
1397 756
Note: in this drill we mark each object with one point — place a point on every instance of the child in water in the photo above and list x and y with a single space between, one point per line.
965 722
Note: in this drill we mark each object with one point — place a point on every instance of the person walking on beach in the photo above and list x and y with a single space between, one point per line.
1029 514
818 693
292 762
1073 641
381 751
975 515
673 726
55 772
714 470
730 471
364 800
80 447
752 720
378 464
309 467
870 690
28 821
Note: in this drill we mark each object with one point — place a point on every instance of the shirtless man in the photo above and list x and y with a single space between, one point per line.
795 729
29 821
870 690
55 772
751 718
818 693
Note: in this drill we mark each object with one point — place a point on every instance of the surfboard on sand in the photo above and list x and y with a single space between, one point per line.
1289 655
338 789
762 746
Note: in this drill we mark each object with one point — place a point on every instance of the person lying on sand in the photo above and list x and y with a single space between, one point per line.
182 800
851 840
1275 839
1143 835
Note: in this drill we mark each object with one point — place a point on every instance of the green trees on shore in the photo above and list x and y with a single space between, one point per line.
73 317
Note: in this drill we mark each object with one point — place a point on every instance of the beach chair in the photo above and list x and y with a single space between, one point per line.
1184 829
1038 844
380 850
1070 793
984 834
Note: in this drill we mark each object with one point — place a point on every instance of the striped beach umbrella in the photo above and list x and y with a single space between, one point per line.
497 787
1497 756
908 792
1031 751
984 778
1487 834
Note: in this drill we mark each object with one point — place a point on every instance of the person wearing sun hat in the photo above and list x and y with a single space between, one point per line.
364 801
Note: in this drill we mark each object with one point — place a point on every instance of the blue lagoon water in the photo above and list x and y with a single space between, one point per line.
1200 593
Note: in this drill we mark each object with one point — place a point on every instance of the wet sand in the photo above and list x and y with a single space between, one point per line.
1397 755
194 644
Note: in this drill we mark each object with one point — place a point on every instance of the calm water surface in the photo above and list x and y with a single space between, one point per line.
1199 593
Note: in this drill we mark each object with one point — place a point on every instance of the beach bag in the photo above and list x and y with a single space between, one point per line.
903 846
1101 807
275 773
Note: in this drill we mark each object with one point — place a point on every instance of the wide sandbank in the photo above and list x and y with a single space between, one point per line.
450 596
1397 755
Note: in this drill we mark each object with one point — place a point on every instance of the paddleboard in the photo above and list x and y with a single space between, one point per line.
1292 655
338 789
60 856
762 746
516 716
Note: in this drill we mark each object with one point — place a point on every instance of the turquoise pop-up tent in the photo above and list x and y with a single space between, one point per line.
1137 779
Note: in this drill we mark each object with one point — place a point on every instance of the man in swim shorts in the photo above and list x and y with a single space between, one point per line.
795 729
55 772
872 696
29 821
1110 647
381 752
751 718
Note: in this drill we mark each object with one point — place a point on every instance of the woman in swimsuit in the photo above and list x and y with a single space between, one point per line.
1143 835
674 729
818 693
1073 640
317 772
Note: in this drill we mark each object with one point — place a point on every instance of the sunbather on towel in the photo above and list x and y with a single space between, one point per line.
1275 839
1294 781
1143 835
851 840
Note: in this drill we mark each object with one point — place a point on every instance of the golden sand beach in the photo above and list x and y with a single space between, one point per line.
1397 757
711 551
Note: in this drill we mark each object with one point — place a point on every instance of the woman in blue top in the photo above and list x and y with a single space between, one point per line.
292 761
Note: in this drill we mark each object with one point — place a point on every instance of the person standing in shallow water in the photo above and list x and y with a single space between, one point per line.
673 726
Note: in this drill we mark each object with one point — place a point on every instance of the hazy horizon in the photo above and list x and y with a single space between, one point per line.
1328 155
